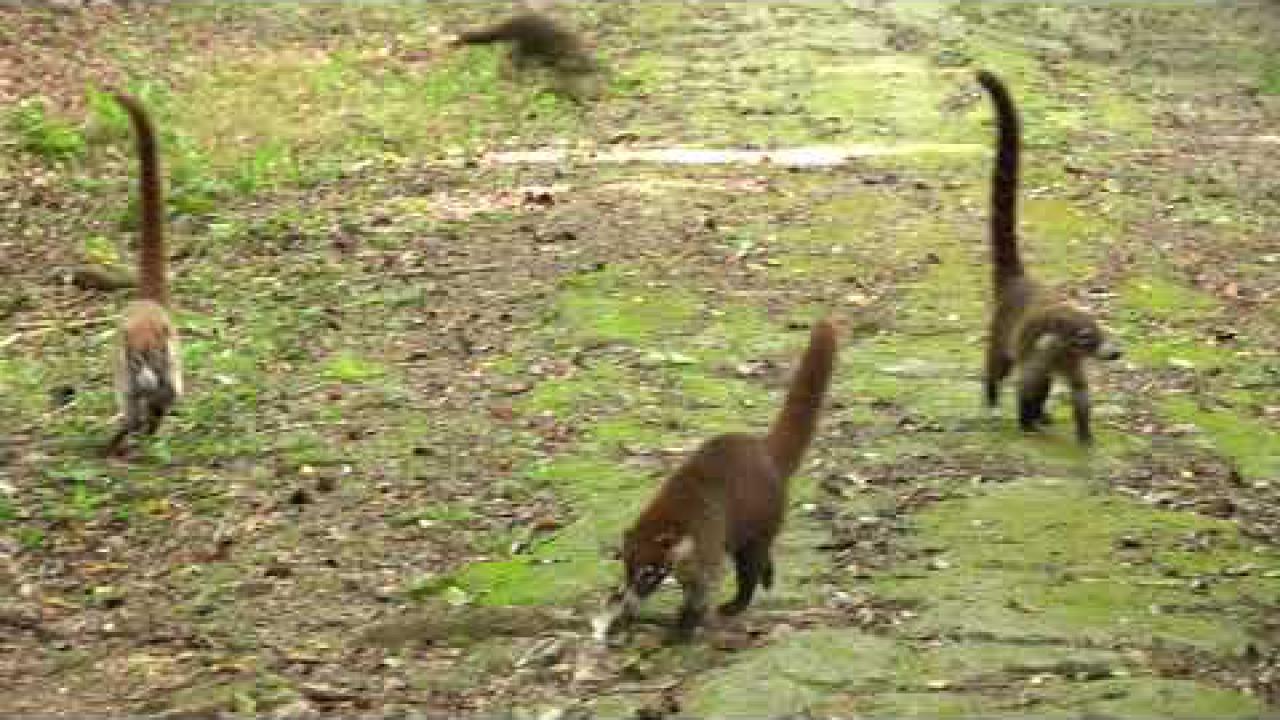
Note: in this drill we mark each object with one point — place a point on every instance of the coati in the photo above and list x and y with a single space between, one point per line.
537 39
1031 330
728 497
148 370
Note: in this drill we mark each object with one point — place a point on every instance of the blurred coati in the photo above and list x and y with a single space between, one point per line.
148 369
1030 328
729 496
537 39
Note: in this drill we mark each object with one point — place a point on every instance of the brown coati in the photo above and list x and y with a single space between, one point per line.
1031 330
537 39
728 497
148 369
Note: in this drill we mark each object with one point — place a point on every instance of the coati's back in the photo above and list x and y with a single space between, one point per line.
535 34
730 475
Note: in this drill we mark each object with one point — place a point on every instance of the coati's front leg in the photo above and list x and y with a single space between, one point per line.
699 574
1033 392
693 610
1080 404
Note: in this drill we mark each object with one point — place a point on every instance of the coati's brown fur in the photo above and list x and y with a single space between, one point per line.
537 39
148 369
1031 329
729 496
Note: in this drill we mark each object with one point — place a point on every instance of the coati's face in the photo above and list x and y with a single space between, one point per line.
1077 334
646 560
1090 341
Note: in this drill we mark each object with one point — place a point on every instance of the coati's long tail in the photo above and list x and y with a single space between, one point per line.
1004 182
152 279
795 424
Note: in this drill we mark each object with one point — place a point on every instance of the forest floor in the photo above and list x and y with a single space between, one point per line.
429 385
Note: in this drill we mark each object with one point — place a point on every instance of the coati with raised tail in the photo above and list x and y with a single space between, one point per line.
537 39
1031 329
728 497
148 368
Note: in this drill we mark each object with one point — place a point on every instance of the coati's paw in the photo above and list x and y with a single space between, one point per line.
731 608
680 635
605 626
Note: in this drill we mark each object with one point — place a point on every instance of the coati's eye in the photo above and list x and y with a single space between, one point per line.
648 577
1085 339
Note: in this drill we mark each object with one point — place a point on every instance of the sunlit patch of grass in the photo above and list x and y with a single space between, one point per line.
1161 299
351 368
1253 445
42 133
1269 83
1054 545
289 117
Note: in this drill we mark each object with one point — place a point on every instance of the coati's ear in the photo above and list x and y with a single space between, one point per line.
666 539
682 549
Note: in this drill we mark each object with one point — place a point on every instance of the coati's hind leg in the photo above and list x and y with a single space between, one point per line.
749 563
518 62
1033 392
1080 405
133 422
115 447
157 413
999 364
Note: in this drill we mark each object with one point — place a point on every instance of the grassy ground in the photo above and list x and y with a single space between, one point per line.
427 390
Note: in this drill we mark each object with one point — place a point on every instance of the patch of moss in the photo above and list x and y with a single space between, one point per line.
600 385
1254 445
351 368
883 95
841 672
1050 558
446 513
929 376
1165 698
1160 353
20 383
1269 82
1062 241
610 306
1165 301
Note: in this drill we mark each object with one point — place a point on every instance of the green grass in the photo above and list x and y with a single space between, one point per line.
42 133
1056 549
1269 83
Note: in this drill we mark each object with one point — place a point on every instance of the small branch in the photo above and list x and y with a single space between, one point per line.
40 327
639 689
448 272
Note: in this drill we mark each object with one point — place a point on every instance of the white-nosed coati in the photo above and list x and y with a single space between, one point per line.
1031 330
148 368
536 38
728 497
